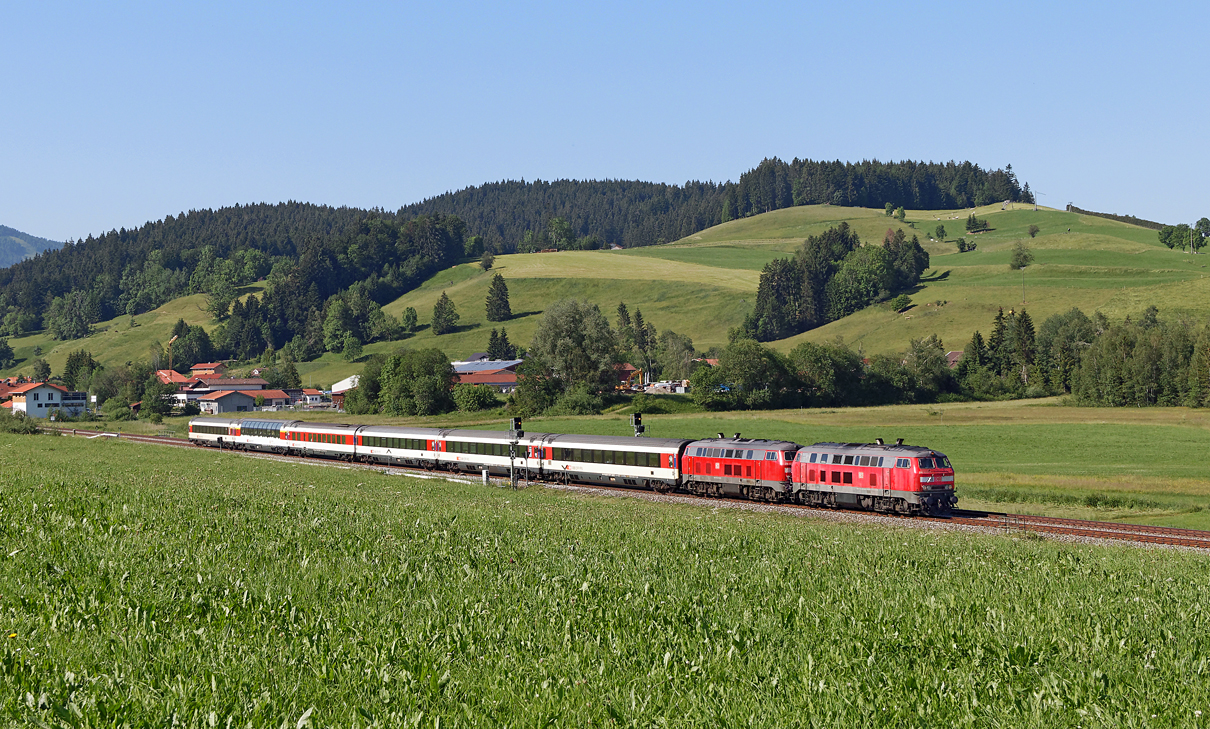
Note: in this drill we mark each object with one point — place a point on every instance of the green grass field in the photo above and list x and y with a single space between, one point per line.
1026 457
209 589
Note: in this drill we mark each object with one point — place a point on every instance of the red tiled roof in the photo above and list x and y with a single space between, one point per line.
220 381
311 391
220 394
172 376
6 404
31 385
207 365
271 394
491 377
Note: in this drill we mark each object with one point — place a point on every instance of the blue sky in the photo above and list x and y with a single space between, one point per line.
117 113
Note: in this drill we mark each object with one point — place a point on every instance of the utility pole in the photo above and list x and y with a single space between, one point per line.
515 434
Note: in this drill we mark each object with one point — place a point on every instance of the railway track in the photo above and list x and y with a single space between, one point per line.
990 521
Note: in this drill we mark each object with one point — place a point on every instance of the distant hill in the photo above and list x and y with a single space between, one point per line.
17 246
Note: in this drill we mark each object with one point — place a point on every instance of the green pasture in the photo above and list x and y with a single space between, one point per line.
116 342
209 589
1031 457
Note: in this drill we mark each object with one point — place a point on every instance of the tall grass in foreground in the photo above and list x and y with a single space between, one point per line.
140 587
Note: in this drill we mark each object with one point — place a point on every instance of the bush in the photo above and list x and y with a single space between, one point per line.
577 401
901 302
11 422
115 409
470 398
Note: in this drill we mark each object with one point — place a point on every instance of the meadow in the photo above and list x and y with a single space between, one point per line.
1026 456
208 589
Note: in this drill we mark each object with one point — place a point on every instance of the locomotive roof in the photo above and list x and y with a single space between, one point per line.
746 443
907 450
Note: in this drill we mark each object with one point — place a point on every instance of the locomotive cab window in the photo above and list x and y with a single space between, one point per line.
926 462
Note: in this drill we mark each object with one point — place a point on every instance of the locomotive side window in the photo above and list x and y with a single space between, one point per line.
848 460
848 477
835 476
770 455
902 463
813 455
865 461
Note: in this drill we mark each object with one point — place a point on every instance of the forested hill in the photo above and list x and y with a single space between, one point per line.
520 215
16 246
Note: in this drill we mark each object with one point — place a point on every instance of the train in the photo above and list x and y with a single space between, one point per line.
891 478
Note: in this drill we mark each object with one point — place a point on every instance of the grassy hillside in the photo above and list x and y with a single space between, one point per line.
705 284
17 246
224 591
1100 264
116 341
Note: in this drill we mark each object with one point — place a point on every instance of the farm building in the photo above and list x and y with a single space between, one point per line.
226 401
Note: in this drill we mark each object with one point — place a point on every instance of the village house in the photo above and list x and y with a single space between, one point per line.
41 399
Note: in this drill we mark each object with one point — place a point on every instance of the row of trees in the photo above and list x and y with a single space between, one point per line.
1140 362
831 276
1183 236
